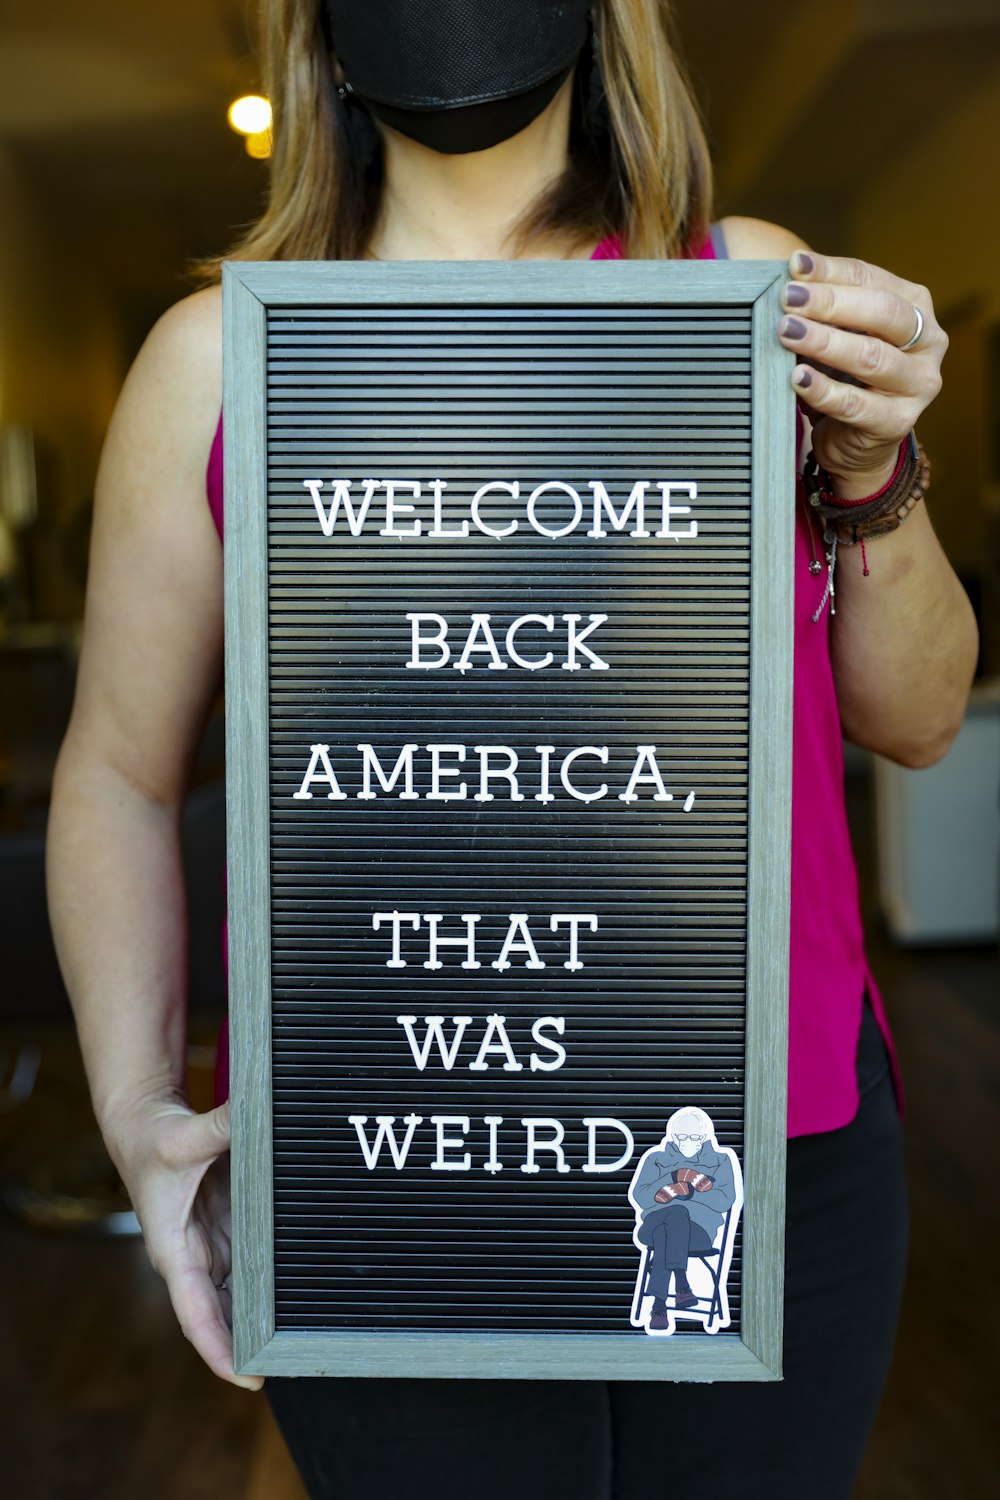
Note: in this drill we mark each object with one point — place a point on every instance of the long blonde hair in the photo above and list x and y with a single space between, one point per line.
647 177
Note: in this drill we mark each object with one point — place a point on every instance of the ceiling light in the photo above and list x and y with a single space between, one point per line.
258 144
250 115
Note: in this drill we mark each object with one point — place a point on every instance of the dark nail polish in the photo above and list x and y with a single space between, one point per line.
803 263
796 296
793 328
804 379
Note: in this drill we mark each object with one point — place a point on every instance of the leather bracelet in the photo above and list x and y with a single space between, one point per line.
852 521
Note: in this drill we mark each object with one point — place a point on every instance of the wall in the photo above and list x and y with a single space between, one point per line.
933 216
62 361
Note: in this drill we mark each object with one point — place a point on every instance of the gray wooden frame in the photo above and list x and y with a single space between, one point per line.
249 288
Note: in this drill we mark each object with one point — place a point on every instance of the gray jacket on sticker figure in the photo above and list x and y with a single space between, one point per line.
709 1208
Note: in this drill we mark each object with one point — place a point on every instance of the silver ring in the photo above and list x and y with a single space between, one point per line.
919 330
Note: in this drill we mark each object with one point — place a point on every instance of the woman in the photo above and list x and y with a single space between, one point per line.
419 130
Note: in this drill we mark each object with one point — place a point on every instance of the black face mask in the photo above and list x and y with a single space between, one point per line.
456 75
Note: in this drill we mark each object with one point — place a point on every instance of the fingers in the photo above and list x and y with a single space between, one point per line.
181 1196
847 271
877 311
886 418
846 321
855 317
193 1139
199 1309
867 356
211 1133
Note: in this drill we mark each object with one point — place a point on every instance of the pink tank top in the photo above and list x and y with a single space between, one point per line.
828 967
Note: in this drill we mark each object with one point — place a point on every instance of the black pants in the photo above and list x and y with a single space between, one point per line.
674 1238
846 1236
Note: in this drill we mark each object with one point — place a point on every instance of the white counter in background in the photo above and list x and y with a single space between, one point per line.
939 835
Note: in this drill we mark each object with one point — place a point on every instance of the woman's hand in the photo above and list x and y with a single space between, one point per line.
853 317
175 1165
903 697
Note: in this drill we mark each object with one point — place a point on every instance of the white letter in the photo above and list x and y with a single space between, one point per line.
385 1133
505 772
559 917
602 501
392 506
545 751
571 664
470 918
539 1063
669 510
439 1164
397 918
535 1145
645 753
481 625
341 497
418 640
548 622
567 489
601 751
491 1164
502 1044
512 489
404 762
437 485
592 1164
437 771
434 1034
320 756
518 923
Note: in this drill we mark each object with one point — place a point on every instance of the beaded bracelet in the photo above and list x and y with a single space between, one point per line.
870 515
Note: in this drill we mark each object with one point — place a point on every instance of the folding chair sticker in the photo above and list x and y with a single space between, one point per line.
687 1192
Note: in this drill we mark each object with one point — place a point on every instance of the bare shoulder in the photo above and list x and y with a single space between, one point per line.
151 477
169 403
759 239
196 318
184 346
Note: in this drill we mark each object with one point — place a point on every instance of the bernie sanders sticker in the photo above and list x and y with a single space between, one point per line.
687 1193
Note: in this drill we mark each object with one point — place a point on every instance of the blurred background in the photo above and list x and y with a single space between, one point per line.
870 128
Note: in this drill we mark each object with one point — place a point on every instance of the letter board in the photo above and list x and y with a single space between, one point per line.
508 576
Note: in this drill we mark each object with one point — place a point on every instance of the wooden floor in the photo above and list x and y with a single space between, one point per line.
103 1399
937 1432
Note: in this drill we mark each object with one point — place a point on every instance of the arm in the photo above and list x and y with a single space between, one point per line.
903 642
904 652
652 1175
722 1194
149 667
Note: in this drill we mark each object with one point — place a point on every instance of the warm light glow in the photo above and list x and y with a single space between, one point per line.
258 144
250 115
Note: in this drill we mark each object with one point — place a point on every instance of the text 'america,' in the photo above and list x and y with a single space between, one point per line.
446 776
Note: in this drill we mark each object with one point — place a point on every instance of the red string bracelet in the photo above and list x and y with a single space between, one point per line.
856 521
827 497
